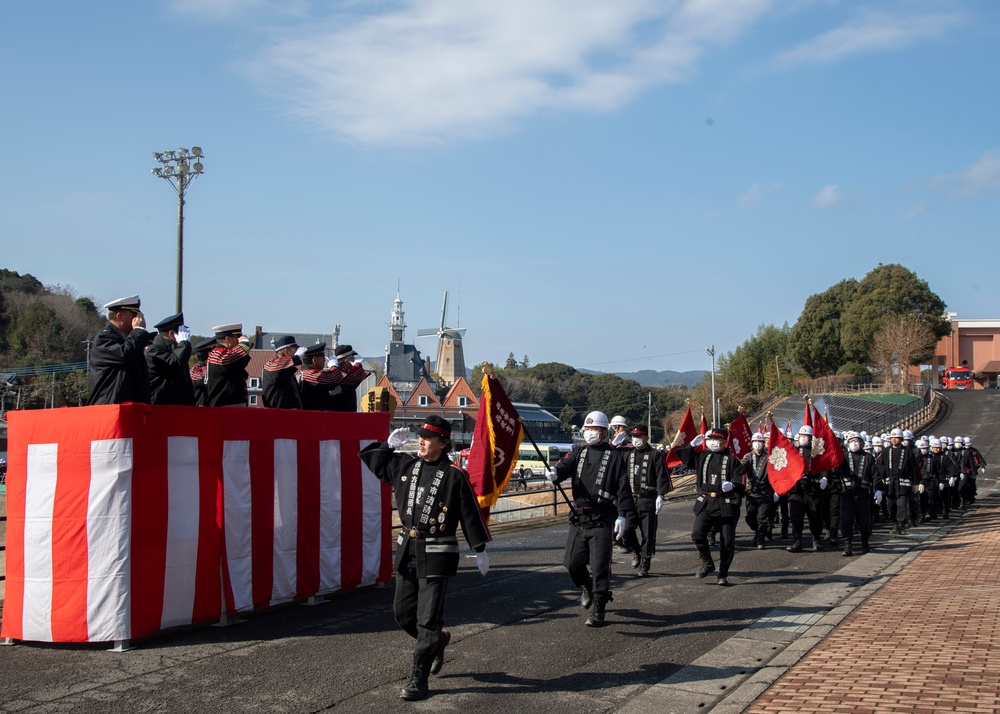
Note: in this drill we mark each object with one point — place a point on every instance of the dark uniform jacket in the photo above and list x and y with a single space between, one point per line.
226 378
318 387
345 397
118 366
712 469
169 375
430 509
898 470
597 499
198 384
280 388
938 468
755 471
648 476
856 473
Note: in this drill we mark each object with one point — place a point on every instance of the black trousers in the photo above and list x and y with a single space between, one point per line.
855 509
590 544
830 512
642 538
759 508
900 505
704 522
801 507
419 607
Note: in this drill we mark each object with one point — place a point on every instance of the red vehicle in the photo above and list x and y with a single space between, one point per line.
957 378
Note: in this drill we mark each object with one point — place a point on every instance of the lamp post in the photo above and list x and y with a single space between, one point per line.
179 173
711 351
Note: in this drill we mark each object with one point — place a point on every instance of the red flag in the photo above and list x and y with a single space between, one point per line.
827 451
704 426
785 464
739 437
788 429
807 419
495 445
687 429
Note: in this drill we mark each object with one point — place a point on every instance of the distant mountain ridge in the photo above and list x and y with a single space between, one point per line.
652 378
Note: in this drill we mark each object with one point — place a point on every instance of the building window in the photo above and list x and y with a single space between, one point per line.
254 383
423 401
463 401
253 400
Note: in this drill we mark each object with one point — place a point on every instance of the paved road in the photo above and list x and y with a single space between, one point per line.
518 637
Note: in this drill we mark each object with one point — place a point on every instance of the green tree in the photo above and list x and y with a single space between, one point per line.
815 341
888 292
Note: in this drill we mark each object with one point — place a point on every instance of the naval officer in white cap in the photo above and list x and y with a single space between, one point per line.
117 360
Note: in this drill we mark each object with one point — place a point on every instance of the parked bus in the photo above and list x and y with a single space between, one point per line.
957 378
528 458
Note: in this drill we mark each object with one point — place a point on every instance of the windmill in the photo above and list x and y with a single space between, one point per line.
451 357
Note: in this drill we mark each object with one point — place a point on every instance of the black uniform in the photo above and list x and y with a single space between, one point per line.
939 470
713 507
648 478
857 479
118 366
601 493
898 470
169 374
760 496
198 373
226 377
280 387
345 397
432 499
970 461
320 388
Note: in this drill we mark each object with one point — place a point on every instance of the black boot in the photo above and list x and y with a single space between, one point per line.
644 568
754 541
865 548
596 618
636 559
761 537
848 552
795 547
586 597
416 688
706 568
438 662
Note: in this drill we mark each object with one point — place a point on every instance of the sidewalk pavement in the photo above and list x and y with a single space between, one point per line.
914 626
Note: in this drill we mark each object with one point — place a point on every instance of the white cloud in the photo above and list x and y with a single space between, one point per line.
829 197
755 194
982 176
429 71
873 32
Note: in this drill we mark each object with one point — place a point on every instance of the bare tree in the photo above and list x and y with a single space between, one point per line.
899 342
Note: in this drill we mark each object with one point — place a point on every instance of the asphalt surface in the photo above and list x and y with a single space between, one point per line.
518 639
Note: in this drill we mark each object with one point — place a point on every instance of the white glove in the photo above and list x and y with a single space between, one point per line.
358 360
878 498
244 340
659 503
183 334
727 486
776 497
619 438
920 488
951 482
982 469
300 351
483 562
698 440
823 483
963 477
552 475
331 363
941 486
619 529
398 437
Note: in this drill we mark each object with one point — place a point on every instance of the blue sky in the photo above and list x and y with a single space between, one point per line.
613 185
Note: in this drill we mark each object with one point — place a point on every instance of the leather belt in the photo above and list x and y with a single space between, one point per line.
414 533
648 494
714 494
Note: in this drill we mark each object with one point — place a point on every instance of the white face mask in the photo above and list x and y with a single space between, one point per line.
758 446
923 449
637 442
878 449
713 445
805 440
592 436
854 446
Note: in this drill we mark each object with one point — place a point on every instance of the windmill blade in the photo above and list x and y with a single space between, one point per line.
427 332
444 310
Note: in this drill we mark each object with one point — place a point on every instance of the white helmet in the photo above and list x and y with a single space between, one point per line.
757 437
958 441
907 434
876 441
935 442
922 443
617 420
863 434
805 430
596 419
966 440
896 434
852 435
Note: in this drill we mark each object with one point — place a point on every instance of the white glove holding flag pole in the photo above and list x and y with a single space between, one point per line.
619 529
398 437
941 486
483 562
727 486
823 483
552 475
963 477
619 438
659 503
776 497
878 498
698 440
920 488
982 470
183 334
951 482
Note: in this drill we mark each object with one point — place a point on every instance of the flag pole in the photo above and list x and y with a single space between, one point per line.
541 456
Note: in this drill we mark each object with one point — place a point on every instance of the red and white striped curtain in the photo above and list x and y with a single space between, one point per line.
121 518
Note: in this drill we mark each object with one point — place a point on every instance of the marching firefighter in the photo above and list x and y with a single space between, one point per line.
650 483
804 498
898 471
602 505
858 479
432 497
719 485
760 495
940 474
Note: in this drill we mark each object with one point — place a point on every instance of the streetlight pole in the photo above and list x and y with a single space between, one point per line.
179 173
711 351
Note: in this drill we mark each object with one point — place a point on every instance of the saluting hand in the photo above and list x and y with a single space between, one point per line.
139 320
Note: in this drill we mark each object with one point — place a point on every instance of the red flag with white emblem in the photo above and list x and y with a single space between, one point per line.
739 436
827 451
785 464
688 430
